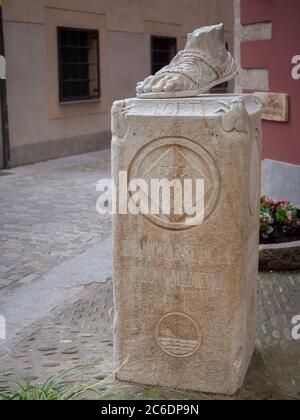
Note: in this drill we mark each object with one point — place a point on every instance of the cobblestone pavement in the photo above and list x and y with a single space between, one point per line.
48 215
52 241
55 263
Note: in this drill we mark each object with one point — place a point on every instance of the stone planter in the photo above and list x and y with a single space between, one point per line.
280 257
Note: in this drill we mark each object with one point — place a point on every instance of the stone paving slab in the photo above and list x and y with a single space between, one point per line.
57 288
81 334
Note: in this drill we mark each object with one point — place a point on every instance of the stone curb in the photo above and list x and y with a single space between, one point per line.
280 257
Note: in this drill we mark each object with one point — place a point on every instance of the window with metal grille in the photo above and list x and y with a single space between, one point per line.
163 50
78 57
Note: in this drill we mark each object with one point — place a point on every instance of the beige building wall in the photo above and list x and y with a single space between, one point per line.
1 144
40 126
250 79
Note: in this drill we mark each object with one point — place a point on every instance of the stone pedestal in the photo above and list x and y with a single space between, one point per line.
185 296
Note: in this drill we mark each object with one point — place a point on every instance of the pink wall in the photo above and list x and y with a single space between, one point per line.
281 140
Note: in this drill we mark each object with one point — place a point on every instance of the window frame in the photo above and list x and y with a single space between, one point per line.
89 98
173 38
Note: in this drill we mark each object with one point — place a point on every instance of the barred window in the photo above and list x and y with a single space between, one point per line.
78 57
163 50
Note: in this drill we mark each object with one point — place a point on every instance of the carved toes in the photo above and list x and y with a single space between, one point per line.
159 85
164 82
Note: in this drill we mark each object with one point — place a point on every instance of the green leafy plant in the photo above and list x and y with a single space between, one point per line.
276 217
56 388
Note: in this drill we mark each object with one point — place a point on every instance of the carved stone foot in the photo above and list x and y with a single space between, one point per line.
203 64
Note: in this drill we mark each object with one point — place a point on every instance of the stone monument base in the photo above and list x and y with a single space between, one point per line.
185 295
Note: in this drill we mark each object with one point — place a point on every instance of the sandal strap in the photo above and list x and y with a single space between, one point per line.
181 73
209 61
199 55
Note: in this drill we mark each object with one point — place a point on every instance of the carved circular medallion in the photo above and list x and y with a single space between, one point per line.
178 158
254 174
178 335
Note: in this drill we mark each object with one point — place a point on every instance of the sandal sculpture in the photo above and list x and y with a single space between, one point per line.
203 64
